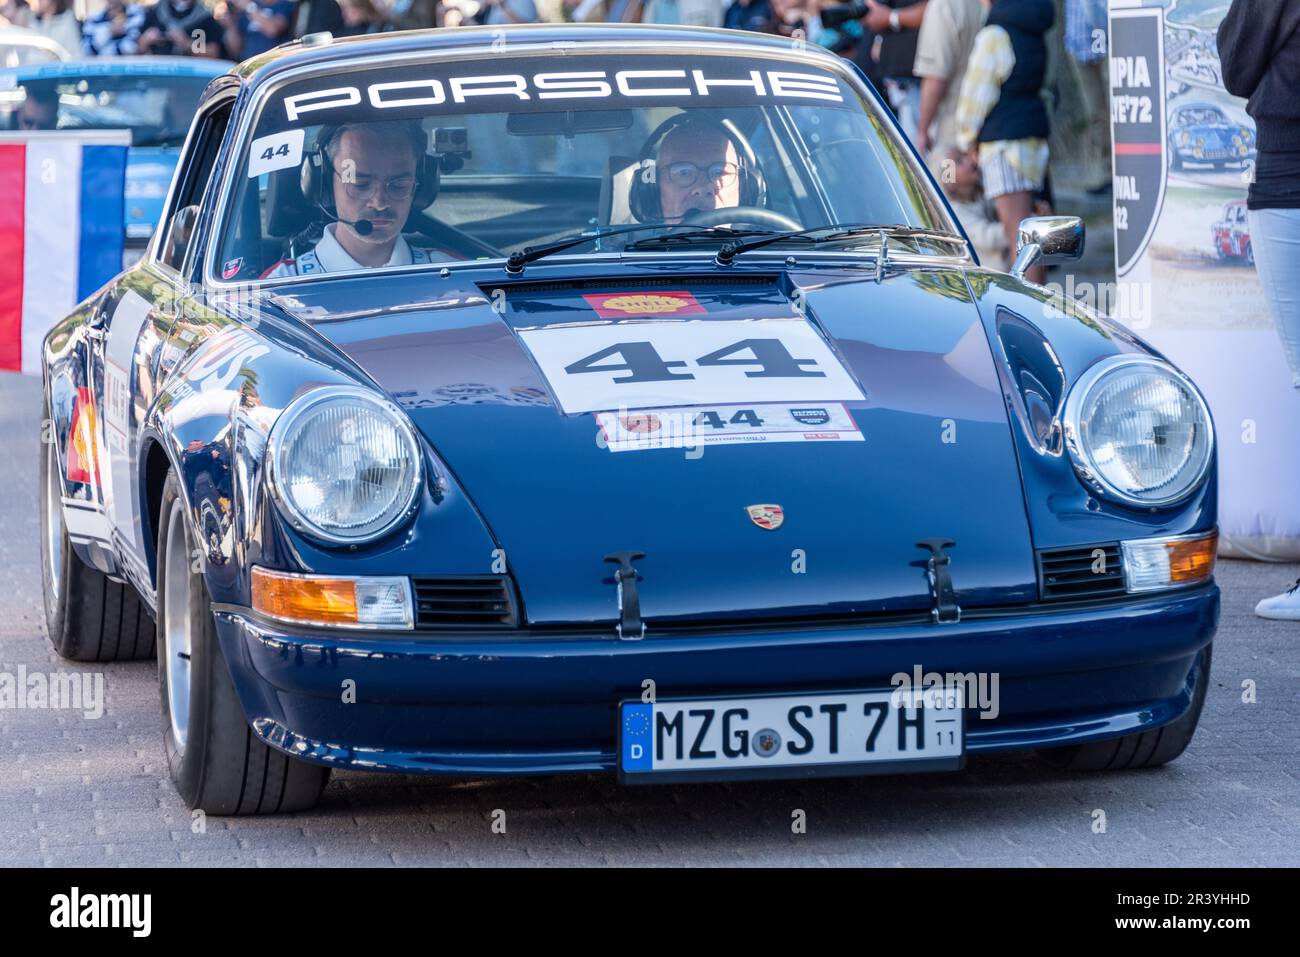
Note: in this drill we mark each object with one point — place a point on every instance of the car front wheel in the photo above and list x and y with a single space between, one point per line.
1145 749
216 761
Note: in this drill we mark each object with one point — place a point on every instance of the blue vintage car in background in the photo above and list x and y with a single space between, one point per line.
610 399
1201 133
153 97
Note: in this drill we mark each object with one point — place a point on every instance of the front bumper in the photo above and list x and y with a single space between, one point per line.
475 705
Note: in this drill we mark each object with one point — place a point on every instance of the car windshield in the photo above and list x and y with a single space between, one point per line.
447 161
156 109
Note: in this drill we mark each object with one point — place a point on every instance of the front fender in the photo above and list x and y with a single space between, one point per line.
213 419
1042 342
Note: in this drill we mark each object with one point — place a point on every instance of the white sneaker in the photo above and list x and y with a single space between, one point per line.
1283 607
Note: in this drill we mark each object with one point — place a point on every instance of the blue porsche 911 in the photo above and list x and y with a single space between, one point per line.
610 399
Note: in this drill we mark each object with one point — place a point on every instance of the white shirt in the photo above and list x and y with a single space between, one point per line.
328 255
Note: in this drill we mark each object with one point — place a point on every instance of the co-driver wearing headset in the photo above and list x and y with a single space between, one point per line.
692 165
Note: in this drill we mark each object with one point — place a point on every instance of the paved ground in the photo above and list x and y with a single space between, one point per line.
75 791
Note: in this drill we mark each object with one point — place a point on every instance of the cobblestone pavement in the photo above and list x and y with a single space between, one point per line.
95 792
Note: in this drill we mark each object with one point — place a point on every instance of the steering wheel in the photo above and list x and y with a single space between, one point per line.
741 214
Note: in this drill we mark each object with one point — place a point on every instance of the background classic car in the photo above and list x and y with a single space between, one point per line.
154 97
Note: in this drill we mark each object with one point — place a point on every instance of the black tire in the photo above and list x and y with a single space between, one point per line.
88 616
1146 749
223 767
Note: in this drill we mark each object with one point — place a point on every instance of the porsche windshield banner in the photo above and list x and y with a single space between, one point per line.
533 84
1137 110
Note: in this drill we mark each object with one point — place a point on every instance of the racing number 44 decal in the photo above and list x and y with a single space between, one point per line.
683 362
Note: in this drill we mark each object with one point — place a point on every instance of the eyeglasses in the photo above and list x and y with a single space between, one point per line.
683 174
399 187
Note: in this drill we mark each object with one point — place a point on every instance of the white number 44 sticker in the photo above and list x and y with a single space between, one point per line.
645 365
277 151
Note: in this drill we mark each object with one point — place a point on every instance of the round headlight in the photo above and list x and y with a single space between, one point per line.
344 464
1138 431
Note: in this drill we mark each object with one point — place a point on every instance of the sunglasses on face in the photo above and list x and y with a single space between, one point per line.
683 174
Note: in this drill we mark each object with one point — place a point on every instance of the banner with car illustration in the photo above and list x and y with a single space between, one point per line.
1184 153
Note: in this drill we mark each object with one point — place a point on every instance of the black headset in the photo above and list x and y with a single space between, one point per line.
643 197
317 170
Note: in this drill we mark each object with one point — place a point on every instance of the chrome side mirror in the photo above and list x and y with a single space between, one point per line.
1047 239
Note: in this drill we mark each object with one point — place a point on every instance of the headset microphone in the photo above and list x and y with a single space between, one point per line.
362 227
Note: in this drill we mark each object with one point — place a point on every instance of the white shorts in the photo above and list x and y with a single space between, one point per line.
1013 166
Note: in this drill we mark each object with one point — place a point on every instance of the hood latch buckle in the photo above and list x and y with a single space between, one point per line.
945 609
630 626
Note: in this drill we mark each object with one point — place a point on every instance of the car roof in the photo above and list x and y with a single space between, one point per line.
322 48
1199 106
120 66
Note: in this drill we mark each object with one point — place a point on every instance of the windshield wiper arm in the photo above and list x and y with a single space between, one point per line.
517 260
728 253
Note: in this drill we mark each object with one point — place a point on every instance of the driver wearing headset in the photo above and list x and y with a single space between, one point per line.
698 165
697 169
366 177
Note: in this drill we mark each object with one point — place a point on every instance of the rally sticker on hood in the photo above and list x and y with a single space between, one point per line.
621 305
692 428
656 363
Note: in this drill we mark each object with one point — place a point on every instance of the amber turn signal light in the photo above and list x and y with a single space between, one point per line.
369 602
1180 560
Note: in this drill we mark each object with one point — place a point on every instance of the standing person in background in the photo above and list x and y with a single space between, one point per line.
501 12
1000 113
181 28
966 197
16 13
1086 49
252 28
943 47
754 15
114 31
360 18
56 21
317 16
1259 53
898 24
414 14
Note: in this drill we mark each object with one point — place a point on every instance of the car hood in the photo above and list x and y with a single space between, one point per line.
903 435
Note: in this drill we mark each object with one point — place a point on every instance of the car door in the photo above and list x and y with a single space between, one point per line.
131 353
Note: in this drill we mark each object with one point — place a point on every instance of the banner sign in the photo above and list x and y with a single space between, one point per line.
61 233
1184 154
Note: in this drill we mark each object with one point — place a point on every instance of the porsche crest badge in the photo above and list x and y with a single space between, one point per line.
769 517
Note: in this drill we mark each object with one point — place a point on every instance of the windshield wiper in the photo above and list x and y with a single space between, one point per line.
700 232
728 253
517 260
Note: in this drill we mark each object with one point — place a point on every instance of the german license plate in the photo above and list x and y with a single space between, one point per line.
792 735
